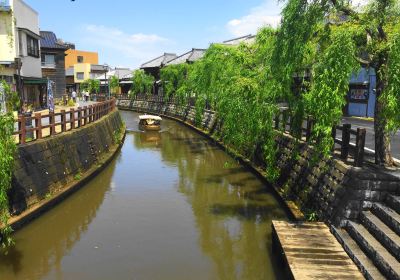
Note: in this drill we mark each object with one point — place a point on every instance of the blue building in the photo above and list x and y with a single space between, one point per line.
361 97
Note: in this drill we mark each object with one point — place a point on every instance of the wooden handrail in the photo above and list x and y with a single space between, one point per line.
75 118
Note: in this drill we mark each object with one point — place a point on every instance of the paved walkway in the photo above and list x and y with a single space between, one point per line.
312 252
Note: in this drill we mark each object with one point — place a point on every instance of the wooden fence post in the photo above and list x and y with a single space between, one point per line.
52 123
310 126
277 118
84 115
63 121
90 113
38 122
79 116
345 141
333 134
360 144
72 118
22 128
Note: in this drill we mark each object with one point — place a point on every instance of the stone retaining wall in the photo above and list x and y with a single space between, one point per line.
44 167
328 188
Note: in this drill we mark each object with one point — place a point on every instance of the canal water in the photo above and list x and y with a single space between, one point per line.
170 206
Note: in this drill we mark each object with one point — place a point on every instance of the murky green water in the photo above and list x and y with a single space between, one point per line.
170 206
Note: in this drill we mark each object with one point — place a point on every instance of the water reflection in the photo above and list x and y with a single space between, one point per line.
172 206
232 209
36 254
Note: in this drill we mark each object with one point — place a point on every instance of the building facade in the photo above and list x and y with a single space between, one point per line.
53 62
20 62
77 57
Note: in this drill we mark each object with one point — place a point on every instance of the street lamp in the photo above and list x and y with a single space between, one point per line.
105 67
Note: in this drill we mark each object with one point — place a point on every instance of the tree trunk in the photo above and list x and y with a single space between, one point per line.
382 138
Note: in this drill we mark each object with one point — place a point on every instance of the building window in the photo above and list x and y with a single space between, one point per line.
80 75
80 59
33 46
48 60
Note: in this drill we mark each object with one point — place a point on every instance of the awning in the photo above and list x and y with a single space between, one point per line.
34 81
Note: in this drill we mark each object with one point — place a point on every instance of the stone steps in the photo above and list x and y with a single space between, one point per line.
380 256
373 242
364 263
390 217
393 202
389 239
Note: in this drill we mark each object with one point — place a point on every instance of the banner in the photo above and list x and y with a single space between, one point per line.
50 98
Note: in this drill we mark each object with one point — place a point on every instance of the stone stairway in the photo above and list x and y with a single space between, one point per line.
373 242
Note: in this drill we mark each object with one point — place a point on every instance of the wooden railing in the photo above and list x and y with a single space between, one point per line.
283 121
38 126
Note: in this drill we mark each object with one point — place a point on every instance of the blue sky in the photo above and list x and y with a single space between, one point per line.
130 32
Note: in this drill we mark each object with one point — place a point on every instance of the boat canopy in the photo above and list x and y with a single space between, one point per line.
150 117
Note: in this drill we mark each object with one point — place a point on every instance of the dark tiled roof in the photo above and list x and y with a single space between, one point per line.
190 56
49 40
236 41
159 61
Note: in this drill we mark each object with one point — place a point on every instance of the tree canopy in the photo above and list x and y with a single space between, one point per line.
306 62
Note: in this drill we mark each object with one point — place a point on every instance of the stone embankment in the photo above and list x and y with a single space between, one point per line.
354 201
48 169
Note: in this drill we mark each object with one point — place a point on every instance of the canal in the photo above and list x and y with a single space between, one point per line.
170 206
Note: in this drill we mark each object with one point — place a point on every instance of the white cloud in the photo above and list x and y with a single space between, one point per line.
117 47
267 13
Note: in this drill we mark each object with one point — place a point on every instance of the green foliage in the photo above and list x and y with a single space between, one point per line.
12 100
329 87
392 93
71 103
142 83
7 151
175 81
91 86
78 176
114 84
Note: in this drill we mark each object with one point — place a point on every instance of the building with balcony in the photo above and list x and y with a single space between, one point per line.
53 61
20 63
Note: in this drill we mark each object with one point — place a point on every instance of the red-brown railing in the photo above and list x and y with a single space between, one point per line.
38 126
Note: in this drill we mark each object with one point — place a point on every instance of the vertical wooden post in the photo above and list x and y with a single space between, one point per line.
52 123
333 134
38 122
284 119
90 113
22 128
310 125
79 116
72 118
85 115
360 144
63 121
277 118
345 141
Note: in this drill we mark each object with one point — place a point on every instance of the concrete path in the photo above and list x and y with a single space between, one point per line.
312 252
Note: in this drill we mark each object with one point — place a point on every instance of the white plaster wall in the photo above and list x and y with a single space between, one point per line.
28 18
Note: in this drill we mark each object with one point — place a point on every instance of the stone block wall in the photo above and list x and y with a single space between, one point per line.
45 166
329 188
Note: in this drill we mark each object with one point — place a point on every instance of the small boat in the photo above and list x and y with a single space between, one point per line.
149 122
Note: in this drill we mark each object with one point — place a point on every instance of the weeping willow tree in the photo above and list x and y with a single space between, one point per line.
233 81
307 62
141 83
331 37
